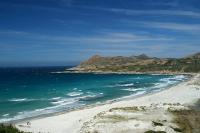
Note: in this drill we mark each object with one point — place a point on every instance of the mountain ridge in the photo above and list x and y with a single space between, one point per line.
140 63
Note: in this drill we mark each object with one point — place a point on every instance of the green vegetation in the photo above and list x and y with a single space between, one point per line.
9 129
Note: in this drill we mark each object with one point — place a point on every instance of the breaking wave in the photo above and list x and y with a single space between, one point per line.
75 93
17 99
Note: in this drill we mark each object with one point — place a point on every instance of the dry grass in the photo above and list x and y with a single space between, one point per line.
125 109
188 120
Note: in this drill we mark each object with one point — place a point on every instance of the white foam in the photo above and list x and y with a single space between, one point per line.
180 76
39 110
173 79
156 74
4 115
120 85
165 82
17 99
75 93
56 98
91 96
139 93
125 85
65 101
129 96
22 99
132 89
75 88
58 102
162 85
68 103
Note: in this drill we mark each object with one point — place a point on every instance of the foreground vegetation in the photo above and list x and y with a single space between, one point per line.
188 120
9 129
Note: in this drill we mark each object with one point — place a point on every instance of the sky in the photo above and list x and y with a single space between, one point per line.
66 32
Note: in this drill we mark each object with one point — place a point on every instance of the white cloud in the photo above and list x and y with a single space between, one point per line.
13 32
124 11
189 28
101 37
174 26
120 38
156 12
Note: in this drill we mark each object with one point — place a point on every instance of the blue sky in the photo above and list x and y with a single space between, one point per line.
65 32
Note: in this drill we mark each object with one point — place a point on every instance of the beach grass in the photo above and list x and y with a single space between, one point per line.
126 109
9 129
188 120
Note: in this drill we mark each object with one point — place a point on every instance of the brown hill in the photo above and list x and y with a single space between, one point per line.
140 63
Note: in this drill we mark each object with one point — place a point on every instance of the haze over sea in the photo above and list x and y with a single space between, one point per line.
30 92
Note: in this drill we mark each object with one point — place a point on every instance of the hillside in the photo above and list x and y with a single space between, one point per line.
140 63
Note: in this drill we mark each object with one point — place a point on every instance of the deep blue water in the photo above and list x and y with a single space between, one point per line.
27 92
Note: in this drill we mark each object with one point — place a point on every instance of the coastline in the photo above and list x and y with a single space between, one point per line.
111 101
124 98
73 121
126 72
37 115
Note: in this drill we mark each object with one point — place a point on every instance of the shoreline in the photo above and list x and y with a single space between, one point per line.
112 101
88 112
127 72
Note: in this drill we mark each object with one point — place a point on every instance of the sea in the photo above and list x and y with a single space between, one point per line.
36 91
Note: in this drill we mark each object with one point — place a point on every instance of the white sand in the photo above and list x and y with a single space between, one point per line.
71 122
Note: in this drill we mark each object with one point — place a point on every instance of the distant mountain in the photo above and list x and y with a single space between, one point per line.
142 56
194 56
140 63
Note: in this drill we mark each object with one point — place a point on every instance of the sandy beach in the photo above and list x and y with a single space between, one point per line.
149 112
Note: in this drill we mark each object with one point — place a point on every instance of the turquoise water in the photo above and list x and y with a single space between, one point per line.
29 92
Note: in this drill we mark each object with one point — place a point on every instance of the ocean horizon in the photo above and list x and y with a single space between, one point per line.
33 91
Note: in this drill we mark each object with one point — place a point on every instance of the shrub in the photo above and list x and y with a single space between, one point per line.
8 129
